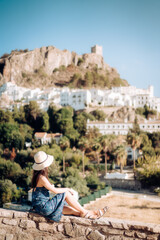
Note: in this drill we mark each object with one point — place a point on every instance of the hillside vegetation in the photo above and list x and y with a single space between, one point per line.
72 77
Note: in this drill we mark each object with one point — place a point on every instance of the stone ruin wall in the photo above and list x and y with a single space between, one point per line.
16 225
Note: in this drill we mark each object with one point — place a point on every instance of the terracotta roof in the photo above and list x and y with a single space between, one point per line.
40 134
53 135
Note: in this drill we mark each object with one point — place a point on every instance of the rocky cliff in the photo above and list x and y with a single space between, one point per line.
47 66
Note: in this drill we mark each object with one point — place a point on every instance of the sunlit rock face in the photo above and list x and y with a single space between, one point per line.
49 58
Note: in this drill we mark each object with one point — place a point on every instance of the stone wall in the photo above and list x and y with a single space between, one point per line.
16 225
128 184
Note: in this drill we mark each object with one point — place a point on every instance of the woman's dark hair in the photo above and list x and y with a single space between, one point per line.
36 176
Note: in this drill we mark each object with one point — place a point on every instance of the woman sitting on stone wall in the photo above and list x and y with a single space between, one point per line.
63 202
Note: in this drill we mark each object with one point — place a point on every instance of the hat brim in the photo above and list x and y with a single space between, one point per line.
47 163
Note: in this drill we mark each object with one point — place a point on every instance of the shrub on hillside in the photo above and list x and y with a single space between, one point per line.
74 180
148 171
9 192
94 183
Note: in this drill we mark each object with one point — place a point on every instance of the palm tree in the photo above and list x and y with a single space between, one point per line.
121 156
64 144
83 145
107 144
134 141
96 146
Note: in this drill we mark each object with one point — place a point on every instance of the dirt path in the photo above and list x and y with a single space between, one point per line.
131 208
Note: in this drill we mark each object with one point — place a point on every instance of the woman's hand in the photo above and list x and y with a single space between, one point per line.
71 191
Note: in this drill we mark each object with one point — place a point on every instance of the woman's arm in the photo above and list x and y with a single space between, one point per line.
44 181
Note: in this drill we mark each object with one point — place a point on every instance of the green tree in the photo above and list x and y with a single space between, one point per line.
149 112
121 156
17 140
80 124
98 114
134 141
106 142
75 181
24 157
52 110
148 171
10 170
32 114
146 111
96 146
26 132
148 151
140 111
45 121
5 116
15 113
10 136
21 118
63 119
64 144
145 141
73 135
80 121
83 145
155 139
136 128
92 134
93 182
65 125
8 191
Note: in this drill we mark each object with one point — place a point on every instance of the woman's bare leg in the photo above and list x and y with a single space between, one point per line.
67 210
75 204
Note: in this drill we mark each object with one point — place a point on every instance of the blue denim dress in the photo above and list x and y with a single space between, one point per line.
49 207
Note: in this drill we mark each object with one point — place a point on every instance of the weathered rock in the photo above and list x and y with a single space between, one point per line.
60 227
25 236
9 236
47 227
95 235
11 222
17 214
4 213
27 224
140 235
73 230
152 237
83 221
112 231
129 233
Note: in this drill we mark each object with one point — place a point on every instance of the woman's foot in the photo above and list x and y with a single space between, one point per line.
101 212
89 215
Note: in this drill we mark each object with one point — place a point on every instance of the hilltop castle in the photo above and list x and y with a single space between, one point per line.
97 49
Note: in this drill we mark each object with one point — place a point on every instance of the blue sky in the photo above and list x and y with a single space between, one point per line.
128 30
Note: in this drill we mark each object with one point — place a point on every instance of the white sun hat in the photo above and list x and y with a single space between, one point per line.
42 160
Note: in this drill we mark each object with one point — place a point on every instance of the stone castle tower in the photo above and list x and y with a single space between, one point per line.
97 49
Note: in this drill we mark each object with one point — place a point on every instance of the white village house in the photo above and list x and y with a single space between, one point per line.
122 128
45 138
79 99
